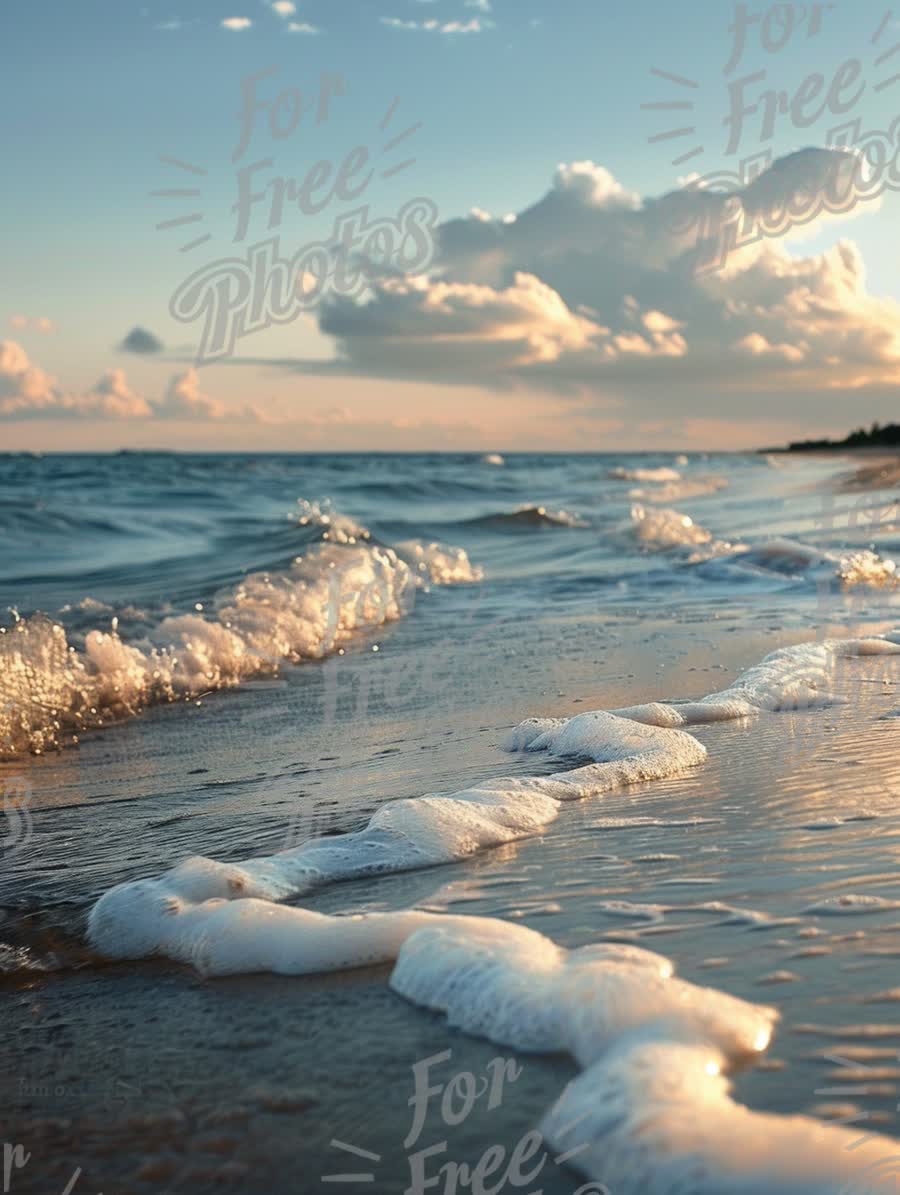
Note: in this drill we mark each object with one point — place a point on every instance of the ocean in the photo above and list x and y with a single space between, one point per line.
255 730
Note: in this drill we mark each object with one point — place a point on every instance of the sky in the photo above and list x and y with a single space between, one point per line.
447 224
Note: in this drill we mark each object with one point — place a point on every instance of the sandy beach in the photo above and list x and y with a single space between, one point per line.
148 1077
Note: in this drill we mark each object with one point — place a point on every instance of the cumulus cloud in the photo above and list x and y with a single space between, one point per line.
29 392
236 24
453 326
302 27
185 400
284 8
141 341
112 398
594 287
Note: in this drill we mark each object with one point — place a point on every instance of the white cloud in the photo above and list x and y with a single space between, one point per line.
302 27
111 397
28 392
236 24
434 26
284 8
456 326
597 290
185 400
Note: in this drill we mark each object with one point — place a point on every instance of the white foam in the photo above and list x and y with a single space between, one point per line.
625 747
236 937
492 458
852 903
791 678
680 491
624 750
439 564
662 528
867 568
406 835
661 474
520 989
655 1117
336 527
848 570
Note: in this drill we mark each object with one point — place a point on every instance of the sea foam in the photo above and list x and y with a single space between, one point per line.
791 678
624 747
135 919
679 491
654 1116
662 474
660 528
651 1112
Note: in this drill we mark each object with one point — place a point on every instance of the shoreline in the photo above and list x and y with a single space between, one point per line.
245 1081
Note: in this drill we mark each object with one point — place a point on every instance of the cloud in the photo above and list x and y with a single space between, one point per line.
184 400
112 398
33 323
302 27
434 26
142 342
454 326
29 392
284 8
594 289
23 387
236 24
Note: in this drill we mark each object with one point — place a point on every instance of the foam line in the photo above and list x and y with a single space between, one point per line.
130 921
652 1110
655 1116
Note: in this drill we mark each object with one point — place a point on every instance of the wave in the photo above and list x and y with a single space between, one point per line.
681 490
528 517
662 528
51 690
862 568
665 529
652 475
439 563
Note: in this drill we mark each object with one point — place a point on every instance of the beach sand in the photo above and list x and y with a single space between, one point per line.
149 1078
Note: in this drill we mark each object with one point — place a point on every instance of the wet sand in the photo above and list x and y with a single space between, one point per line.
151 1079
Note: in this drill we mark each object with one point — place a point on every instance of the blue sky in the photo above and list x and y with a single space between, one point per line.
500 91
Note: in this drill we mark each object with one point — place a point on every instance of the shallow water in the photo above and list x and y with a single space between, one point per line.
724 868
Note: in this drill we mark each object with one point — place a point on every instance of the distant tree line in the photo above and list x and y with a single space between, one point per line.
876 437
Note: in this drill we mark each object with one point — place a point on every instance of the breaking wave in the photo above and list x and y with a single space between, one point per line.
51 689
